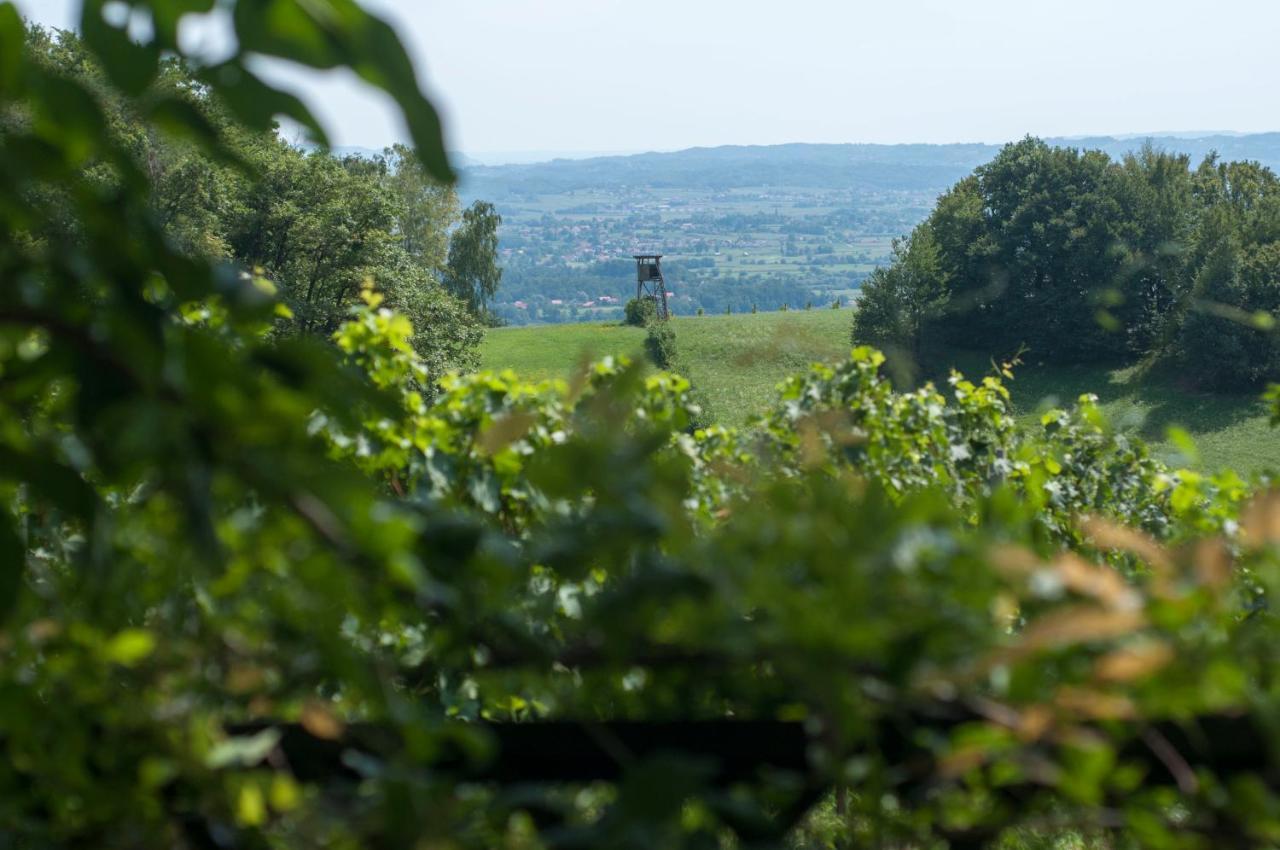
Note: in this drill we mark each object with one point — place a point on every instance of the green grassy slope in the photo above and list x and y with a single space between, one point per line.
736 361
1229 430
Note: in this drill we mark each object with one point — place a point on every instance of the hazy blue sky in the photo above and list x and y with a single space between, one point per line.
628 75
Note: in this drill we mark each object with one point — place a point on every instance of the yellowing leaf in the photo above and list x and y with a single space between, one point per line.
1260 521
1212 563
244 678
1107 535
319 720
40 631
961 760
1133 662
1102 583
1080 625
1013 561
1033 722
504 431
1094 705
867 354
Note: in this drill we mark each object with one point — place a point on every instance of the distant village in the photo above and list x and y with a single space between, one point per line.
566 257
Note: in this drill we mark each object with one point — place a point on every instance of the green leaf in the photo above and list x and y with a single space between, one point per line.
1272 399
166 15
251 806
128 64
1185 444
50 480
182 119
245 751
255 103
69 109
326 34
12 49
130 647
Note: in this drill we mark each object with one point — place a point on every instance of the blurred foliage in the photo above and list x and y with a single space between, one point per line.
204 522
317 226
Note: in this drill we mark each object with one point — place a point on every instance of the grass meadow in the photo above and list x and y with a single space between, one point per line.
738 360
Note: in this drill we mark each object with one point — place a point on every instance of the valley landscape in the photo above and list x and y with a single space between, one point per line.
739 226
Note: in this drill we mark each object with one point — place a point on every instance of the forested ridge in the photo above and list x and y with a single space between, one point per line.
269 580
900 167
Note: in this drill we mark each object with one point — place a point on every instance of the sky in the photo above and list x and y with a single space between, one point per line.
628 75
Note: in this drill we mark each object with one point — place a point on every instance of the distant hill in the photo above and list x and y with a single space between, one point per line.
517 157
909 167
1262 147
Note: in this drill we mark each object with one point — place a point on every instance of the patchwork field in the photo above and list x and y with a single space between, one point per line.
738 360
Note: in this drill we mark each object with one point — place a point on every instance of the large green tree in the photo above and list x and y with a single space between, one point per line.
1157 195
1226 335
1077 258
472 272
426 210
1051 252
899 306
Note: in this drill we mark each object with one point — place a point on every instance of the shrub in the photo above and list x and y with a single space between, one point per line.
660 345
640 312
1082 259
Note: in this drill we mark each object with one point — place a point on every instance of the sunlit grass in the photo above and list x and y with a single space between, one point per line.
737 361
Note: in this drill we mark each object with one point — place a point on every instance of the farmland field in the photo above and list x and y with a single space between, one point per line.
738 360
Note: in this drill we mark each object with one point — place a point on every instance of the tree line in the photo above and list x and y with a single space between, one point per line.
1080 258
315 225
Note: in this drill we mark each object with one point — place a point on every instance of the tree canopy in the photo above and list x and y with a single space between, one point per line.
1079 258
315 225
472 273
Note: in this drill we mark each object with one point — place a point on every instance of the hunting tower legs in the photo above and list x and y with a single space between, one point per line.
651 284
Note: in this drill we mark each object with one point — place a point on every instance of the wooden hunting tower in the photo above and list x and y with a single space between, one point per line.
651 284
